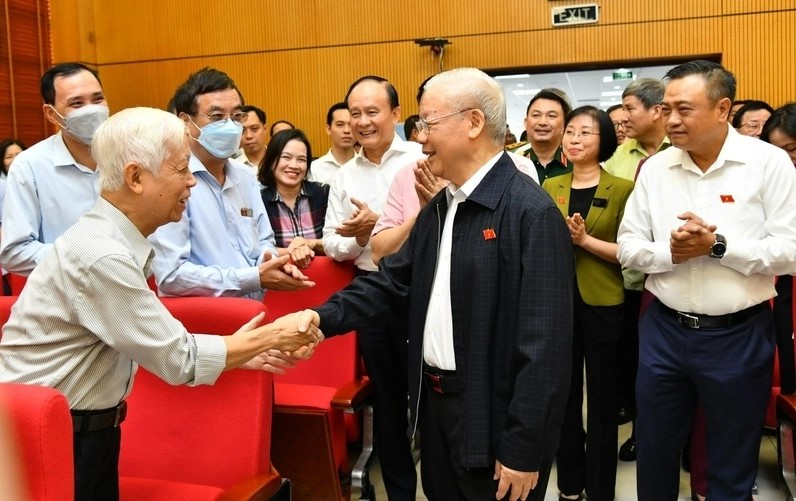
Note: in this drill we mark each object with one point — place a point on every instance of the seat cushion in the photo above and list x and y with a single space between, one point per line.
135 489
786 406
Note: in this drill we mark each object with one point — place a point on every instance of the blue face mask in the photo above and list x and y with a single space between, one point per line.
221 139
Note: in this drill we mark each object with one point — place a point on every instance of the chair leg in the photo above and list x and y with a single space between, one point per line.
360 475
786 459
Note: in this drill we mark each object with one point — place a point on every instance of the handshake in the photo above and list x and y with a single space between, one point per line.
279 345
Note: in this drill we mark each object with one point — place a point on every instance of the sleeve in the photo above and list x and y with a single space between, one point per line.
775 252
392 215
176 275
264 229
20 249
151 337
338 210
543 347
638 249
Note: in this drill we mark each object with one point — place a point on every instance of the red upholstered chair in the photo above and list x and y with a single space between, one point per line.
203 442
786 437
17 283
314 400
6 302
39 419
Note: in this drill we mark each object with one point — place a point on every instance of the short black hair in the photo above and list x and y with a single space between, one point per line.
271 130
410 124
332 109
204 81
551 94
392 94
265 173
61 70
751 105
422 89
720 82
608 140
257 111
783 119
4 145
614 108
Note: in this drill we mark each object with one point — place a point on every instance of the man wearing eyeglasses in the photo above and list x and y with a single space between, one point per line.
51 184
486 275
751 117
224 244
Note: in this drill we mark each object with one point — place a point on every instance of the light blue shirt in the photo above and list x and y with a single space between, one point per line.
46 192
216 247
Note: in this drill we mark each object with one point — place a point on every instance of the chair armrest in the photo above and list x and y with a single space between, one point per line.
352 394
260 487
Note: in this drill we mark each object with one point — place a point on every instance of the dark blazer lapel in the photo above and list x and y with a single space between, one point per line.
601 196
490 190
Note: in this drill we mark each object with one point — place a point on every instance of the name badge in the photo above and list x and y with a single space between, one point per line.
600 202
246 212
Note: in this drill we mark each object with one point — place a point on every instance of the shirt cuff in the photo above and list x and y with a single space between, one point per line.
250 279
211 358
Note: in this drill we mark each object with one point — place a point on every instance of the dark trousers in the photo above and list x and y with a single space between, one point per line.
443 475
385 359
596 331
728 371
96 455
783 319
628 351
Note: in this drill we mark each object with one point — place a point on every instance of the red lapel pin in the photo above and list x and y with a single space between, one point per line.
489 234
561 200
727 199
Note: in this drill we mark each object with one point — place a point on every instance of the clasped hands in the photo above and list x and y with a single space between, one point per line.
693 238
360 224
278 273
297 335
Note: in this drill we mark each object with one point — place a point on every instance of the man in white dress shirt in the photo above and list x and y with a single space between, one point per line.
357 195
338 128
711 220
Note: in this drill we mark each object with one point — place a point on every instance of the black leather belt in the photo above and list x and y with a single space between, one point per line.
85 421
441 381
699 321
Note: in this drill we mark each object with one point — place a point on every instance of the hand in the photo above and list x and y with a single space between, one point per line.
278 274
300 252
273 361
577 228
360 224
427 184
692 239
515 484
298 333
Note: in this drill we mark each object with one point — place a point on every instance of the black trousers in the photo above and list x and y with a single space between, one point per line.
628 351
96 456
587 460
728 371
385 358
783 319
443 475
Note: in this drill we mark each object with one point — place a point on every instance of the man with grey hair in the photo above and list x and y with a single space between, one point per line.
646 135
87 318
486 275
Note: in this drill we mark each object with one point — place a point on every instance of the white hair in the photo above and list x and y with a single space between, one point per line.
465 88
144 136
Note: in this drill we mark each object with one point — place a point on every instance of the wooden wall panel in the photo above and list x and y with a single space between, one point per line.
764 65
295 58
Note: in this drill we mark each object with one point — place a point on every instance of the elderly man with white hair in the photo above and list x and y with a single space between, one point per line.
86 317
486 275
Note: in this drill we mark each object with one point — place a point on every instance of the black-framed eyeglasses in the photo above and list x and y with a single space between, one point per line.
422 125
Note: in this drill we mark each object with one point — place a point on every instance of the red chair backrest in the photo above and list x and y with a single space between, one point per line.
39 418
6 302
17 283
212 435
336 361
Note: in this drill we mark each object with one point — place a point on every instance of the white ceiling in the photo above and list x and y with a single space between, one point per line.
594 87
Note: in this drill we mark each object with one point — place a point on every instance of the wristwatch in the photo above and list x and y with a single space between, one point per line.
719 247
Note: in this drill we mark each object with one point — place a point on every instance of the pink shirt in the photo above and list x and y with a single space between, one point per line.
402 202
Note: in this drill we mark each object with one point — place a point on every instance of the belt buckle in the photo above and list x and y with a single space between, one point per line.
690 321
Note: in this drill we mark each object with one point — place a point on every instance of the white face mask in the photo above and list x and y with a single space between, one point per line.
220 139
83 122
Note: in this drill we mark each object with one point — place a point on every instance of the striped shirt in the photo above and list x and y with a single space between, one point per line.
86 318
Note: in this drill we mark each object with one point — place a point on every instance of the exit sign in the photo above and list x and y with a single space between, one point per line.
575 14
622 75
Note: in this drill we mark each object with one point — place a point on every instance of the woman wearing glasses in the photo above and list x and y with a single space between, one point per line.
592 203
751 117
295 206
